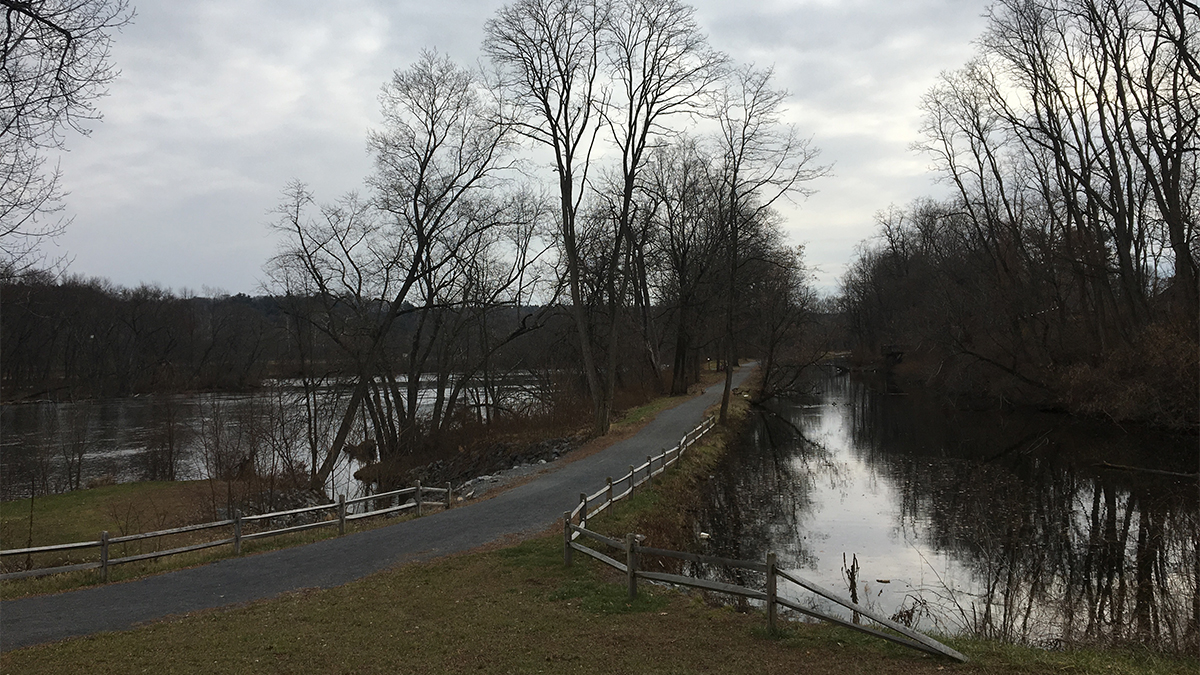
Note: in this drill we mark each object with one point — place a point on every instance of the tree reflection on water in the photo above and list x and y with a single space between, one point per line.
1005 524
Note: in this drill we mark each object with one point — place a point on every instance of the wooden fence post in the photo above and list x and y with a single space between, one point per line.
649 471
771 592
341 515
583 512
567 538
104 556
609 499
418 495
449 493
632 480
237 532
631 563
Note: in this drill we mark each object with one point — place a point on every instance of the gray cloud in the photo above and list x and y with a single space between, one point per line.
220 103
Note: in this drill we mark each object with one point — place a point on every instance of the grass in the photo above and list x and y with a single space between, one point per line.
80 515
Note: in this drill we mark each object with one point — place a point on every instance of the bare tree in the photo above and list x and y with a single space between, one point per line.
435 218
686 246
574 68
781 304
763 160
661 66
1177 20
1163 105
549 56
54 64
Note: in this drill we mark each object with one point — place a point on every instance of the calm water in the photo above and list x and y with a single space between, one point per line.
999 524
54 447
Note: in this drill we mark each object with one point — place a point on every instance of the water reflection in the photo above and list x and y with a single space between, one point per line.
1004 524
283 429
53 447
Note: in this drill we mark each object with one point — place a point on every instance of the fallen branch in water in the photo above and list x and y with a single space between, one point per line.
1158 472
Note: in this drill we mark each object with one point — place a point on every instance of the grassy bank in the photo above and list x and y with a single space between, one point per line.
81 514
520 610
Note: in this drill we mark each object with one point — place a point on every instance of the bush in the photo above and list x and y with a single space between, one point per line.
1154 379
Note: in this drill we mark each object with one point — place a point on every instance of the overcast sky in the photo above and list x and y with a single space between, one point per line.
220 103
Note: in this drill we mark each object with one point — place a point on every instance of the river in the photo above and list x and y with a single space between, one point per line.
1003 524
52 447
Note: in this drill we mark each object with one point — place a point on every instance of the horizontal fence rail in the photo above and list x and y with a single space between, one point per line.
575 527
420 500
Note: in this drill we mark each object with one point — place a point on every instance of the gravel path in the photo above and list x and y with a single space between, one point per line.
527 508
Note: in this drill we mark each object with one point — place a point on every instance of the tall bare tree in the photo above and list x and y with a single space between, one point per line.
549 56
437 155
763 160
574 68
661 65
686 247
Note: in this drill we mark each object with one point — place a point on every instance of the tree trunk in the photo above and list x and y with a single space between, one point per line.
679 381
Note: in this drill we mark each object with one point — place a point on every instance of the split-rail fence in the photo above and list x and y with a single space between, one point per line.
338 514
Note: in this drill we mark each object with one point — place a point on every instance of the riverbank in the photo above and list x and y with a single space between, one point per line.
518 609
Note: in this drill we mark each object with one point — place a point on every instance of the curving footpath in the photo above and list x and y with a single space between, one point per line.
525 509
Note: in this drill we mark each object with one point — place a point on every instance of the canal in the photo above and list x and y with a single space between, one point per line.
1024 526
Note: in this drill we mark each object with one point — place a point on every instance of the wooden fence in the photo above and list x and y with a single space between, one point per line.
594 504
575 526
339 517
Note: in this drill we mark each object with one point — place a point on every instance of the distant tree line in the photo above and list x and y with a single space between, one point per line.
78 338
1064 267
